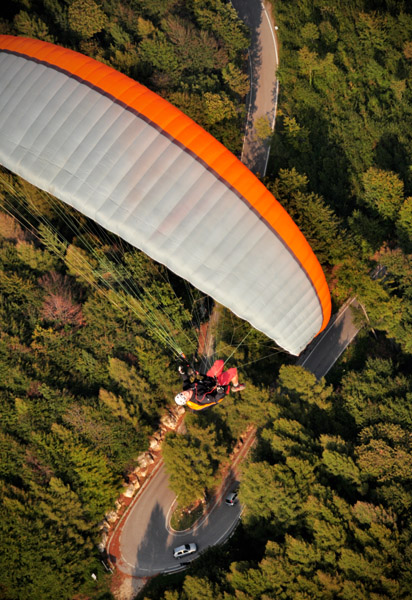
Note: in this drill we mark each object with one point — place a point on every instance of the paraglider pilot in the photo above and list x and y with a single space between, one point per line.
202 391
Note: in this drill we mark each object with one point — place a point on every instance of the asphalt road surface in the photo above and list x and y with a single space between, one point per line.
262 101
324 351
147 542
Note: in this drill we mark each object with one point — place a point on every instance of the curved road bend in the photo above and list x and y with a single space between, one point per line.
146 541
263 57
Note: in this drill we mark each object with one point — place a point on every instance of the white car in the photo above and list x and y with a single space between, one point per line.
231 498
184 550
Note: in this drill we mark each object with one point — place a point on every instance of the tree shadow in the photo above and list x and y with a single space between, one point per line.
155 551
392 155
152 553
319 156
149 551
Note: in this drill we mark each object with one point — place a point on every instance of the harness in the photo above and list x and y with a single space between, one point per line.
204 388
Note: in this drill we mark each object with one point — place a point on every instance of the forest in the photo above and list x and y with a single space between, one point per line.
86 369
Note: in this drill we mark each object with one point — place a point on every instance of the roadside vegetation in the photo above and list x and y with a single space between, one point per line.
84 377
184 518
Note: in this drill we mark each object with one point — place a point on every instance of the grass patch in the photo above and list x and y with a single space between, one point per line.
183 518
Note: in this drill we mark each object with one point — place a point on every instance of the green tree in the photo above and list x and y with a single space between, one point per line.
189 468
235 79
310 34
308 63
342 466
137 390
383 191
157 8
32 26
303 385
356 567
200 588
296 135
385 453
60 504
88 472
374 393
263 128
118 407
305 555
270 493
80 264
218 107
54 559
404 224
222 19
159 53
197 51
329 539
52 242
40 260
288 437
86 18
328 34
145 28
21 301
320 225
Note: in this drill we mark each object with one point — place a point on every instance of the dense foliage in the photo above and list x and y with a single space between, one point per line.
85 371
342 148
82 384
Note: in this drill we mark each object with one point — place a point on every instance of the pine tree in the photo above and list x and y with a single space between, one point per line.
86 18
118 407
235 79
190 470
383 191
199 588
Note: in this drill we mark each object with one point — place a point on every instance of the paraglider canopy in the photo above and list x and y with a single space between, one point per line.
139 167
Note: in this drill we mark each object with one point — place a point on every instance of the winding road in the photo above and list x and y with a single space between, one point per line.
150 550
147 541
143 541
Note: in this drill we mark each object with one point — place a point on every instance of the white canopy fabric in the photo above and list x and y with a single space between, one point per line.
185 203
